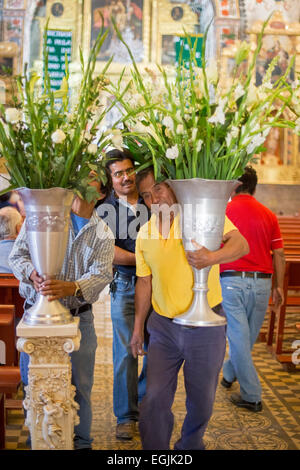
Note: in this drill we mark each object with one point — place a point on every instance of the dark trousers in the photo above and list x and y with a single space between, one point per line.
202 352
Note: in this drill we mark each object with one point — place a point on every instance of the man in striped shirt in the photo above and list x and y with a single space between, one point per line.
86 270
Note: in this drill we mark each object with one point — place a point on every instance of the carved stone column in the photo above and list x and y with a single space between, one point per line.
51 408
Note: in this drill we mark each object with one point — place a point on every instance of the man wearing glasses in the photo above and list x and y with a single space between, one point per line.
125 212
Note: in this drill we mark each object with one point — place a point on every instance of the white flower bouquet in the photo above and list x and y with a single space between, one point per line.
45 143
187 126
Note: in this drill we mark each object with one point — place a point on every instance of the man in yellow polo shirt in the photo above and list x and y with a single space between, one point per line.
165 278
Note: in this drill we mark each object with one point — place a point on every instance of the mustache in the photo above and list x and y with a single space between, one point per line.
125 183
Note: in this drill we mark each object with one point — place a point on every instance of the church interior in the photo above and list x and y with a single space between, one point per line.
150 28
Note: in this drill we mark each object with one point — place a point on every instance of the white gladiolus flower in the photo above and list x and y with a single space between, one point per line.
168 132
180 129
117 139
140 128
194 133
238 92
228 139
254 127
265 133
219 115
233 134
168 122
199 145
252 97
92 148
234 131
58 136
256 141
268 85
172 152
12 115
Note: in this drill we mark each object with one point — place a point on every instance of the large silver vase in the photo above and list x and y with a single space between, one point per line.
203 205
47 228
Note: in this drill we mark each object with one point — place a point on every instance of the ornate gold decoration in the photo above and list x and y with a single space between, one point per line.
279 164
9 53
91 15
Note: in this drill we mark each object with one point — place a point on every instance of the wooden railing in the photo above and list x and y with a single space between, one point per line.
277 327
9 293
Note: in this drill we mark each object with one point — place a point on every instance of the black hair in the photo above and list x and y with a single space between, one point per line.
105 188
116 155
249 181
5 197
140 175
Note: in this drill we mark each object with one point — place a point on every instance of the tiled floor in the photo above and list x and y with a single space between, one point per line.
276 427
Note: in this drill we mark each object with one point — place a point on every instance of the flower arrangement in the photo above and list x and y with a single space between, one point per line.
187 126
45 143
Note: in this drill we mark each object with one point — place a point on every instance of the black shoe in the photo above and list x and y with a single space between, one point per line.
237 400
226 384
125 431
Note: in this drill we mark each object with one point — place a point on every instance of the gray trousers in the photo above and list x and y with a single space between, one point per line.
201 351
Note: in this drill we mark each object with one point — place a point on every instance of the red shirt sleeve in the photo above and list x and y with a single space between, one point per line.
277 241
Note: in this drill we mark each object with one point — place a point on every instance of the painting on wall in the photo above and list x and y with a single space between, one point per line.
13 27
129 19
261 9
275 46
6 66
279 163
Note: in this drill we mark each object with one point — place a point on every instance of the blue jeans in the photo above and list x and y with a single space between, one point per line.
245 302
201 352
128 389
83 362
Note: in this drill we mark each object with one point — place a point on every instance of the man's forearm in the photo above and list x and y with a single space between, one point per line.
123 257
143 292
235 246
279 267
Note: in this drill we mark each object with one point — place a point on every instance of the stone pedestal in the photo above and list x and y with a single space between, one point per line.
49 401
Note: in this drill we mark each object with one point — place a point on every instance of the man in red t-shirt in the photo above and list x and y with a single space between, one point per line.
246 287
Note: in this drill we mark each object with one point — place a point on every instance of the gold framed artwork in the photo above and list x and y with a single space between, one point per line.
280 163
133 20
169 20
9 53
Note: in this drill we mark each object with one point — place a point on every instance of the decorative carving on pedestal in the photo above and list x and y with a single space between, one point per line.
51 408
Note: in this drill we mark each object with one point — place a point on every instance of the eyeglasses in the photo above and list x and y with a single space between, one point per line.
122 173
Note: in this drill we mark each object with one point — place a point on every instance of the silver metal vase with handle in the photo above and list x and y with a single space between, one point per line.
47 228
203 205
